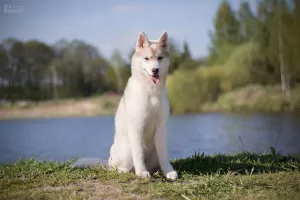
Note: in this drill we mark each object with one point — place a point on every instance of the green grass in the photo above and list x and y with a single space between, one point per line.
238 176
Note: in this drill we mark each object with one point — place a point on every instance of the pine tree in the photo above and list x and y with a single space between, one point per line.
226 34
186 51
118 63
247 22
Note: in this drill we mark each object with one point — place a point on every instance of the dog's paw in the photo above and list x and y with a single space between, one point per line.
172 175
143 174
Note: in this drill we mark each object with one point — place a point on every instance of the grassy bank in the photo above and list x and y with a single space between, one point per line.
253 98
239 176
215 89
256 98
98 105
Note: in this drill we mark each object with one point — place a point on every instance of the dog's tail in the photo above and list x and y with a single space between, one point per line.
90 162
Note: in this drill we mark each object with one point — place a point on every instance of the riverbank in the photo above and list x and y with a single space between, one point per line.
239 176
256 98
91 106
253 98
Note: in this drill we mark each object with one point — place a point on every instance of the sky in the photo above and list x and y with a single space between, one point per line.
113 24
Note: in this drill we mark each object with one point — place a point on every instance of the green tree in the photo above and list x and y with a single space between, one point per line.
294 41
225 36
4 61
175 56
247 22
276 21
247 65
4 71
186 61
186 51
38 56
80 67
118 63
111 79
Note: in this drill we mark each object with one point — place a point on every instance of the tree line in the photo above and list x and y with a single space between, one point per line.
33 70
246 48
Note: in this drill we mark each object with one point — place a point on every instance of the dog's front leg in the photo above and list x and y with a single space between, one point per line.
161 144
136 144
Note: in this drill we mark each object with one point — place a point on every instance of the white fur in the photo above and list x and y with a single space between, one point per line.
140 141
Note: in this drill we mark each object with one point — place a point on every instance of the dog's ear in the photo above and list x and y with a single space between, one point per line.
142 40
164 40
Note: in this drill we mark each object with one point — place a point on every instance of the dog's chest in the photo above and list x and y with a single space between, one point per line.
154 101
154 109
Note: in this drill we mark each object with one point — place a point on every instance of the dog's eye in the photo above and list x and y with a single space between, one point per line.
159 58
146 58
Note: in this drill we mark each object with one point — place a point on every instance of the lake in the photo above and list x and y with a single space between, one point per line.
62 139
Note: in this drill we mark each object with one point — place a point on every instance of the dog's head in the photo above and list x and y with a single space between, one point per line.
151 57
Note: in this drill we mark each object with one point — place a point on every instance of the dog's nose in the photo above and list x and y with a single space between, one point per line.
155 70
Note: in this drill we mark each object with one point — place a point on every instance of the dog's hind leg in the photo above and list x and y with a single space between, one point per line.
120 158
152 162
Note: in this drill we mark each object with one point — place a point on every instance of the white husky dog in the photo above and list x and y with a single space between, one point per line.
140 140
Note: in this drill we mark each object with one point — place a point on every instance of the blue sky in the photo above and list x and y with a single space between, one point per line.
113 24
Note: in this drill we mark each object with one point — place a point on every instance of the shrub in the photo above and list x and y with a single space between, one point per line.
246 65
188 90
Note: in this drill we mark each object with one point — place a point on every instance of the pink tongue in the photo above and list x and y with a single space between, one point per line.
155 80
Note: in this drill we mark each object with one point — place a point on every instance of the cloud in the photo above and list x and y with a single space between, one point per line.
121 8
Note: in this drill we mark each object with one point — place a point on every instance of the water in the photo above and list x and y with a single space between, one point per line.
62 139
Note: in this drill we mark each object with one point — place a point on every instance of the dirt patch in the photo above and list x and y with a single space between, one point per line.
97 188
49 188
93 190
